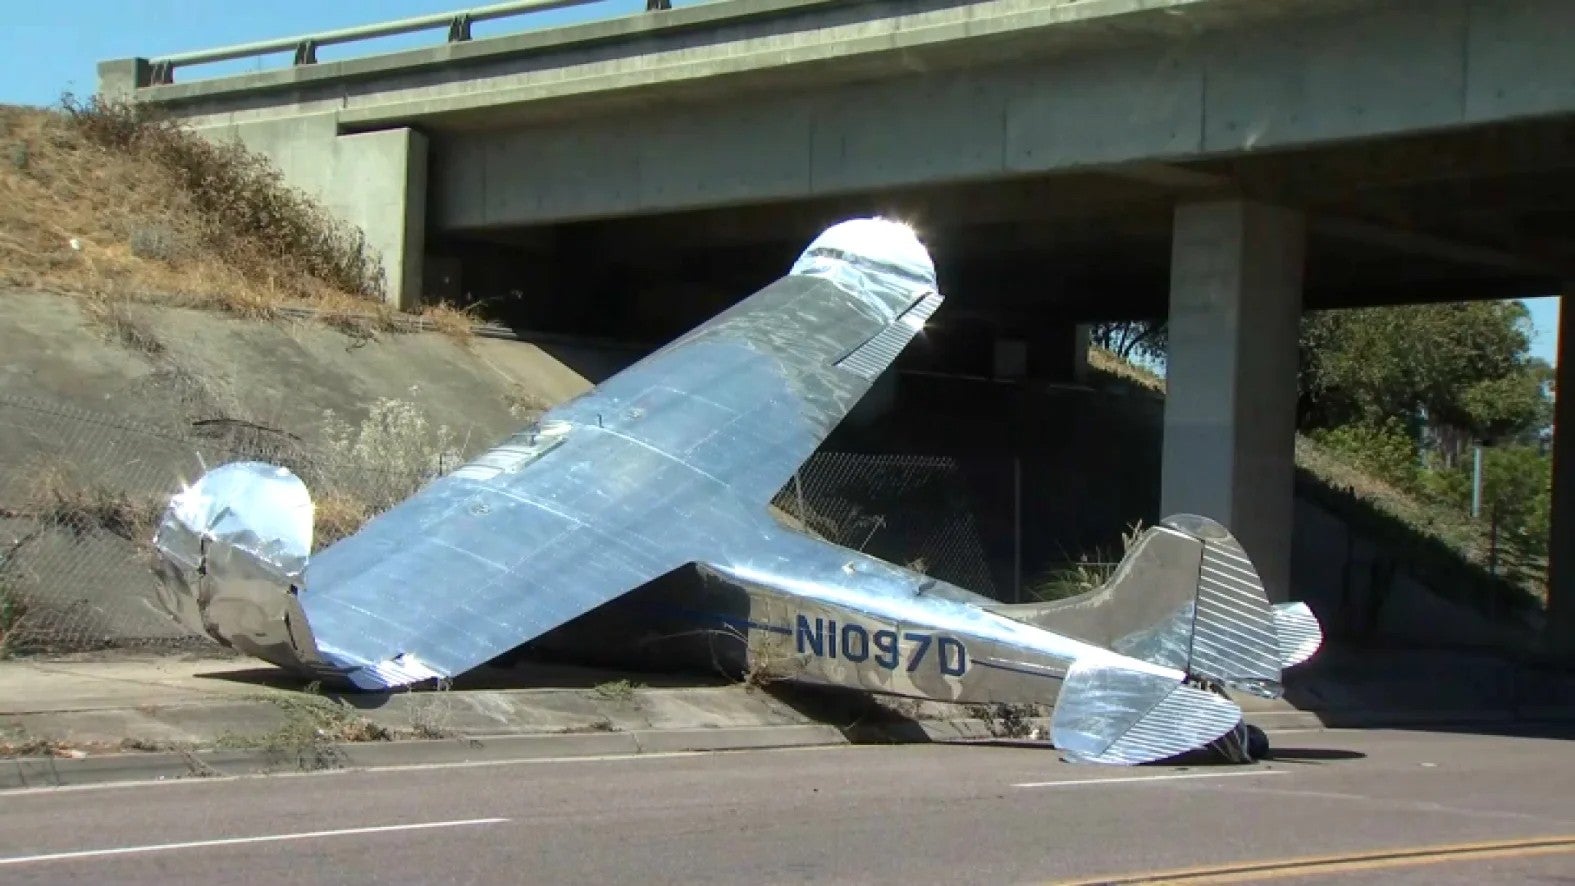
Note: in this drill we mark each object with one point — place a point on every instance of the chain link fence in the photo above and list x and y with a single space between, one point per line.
81 493
913 510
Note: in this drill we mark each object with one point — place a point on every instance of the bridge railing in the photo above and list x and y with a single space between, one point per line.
161 70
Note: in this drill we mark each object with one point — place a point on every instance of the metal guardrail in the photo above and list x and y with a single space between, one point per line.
458 23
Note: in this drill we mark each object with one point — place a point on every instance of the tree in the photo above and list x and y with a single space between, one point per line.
1460 370
1131 340
1447 374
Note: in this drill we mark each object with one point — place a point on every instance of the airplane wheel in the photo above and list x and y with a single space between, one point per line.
1257 743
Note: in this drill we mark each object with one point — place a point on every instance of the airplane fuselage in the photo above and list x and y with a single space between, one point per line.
823 614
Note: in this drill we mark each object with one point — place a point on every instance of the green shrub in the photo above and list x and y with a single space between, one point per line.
1384 448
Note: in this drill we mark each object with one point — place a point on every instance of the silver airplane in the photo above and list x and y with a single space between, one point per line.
668 468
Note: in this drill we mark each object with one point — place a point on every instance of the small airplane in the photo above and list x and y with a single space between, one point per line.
669 468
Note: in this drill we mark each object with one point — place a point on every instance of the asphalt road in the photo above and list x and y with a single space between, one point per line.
1395 807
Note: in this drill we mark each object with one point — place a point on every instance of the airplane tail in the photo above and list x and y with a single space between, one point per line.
1187 596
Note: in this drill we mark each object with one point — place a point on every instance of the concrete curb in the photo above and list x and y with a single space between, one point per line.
54 772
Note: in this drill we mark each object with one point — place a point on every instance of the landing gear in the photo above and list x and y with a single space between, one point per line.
1245 743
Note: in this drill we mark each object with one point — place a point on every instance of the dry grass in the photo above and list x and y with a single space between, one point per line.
58 499
337 514
453 322
120 322
12 607
1108 363
112 202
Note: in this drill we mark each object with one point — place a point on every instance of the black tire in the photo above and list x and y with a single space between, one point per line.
1257 743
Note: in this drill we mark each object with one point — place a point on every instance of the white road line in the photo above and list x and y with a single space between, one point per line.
415 767
236 841
1173 777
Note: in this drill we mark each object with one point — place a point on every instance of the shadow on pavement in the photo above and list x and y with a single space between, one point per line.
1312 755
484 679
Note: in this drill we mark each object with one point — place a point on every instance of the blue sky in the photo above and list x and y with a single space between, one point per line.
50 48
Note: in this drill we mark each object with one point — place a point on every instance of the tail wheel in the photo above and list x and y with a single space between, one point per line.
1243 744
1257 743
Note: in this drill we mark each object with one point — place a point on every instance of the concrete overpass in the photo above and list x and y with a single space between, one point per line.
1230 162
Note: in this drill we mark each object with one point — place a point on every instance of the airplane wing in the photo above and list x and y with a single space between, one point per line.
665 464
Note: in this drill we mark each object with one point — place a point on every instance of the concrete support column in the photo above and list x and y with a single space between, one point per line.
1230 407
1561 544
380 185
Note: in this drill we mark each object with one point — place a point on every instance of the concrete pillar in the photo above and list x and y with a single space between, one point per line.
1230 407
1561 544
119 78
380 185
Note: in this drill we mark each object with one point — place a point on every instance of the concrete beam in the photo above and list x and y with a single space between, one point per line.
1422 245
712 49
1561 546
1396 70
1230 407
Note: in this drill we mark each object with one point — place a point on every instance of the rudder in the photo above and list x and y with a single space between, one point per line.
1187 596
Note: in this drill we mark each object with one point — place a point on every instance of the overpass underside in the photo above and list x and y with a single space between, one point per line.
1226 163
1475 214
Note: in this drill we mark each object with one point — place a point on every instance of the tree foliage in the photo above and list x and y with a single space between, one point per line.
1453 366
1145 339
1406 392
1385 449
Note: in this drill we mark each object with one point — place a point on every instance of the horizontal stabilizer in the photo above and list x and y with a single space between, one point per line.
1110 714
1299 633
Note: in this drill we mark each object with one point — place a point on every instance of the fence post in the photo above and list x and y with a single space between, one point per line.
798 487
1017 529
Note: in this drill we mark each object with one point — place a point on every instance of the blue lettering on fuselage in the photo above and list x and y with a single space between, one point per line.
854 642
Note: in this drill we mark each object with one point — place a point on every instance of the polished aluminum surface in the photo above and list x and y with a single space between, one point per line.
670 465
1299 635
235 546
1114 715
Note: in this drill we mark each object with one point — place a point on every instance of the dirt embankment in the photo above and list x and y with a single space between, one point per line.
151 285
105 410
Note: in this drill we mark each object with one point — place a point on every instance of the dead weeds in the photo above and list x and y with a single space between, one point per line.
115 202
57 498
337 514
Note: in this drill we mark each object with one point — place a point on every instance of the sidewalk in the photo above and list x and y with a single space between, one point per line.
64 721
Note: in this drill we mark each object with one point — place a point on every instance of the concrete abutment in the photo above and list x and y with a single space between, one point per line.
374 181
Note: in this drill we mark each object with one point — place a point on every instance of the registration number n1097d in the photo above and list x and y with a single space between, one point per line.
888 649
